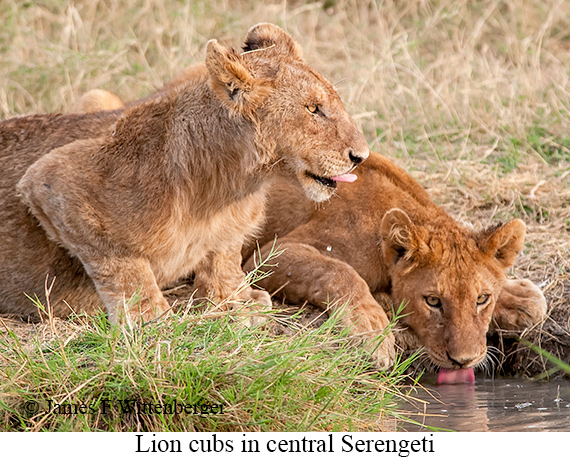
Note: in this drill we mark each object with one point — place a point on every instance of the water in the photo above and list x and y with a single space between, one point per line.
501 405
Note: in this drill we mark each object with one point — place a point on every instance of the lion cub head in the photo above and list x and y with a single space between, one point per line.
299 117
449 278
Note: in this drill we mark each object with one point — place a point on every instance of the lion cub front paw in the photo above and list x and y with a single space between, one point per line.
370 322
384 353
256 302
521 304
140 310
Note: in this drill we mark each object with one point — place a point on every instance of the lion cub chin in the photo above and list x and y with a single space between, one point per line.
115 205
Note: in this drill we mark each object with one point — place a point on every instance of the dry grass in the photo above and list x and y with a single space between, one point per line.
473 98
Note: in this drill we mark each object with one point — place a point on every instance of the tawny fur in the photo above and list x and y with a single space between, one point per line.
97 100
119 204
382 240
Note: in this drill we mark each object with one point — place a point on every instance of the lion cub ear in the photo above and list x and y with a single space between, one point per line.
503 242
401 238
273 40
232 82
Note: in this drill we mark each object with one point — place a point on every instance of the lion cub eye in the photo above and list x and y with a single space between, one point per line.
313 109
483 299
433 301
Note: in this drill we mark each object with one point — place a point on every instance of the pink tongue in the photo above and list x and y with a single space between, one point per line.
465 376
345 178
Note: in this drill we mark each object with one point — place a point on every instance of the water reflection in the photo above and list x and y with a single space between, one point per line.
492 405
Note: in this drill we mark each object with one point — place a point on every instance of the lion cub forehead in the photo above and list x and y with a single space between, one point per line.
455 257
301 75
452 247
464 274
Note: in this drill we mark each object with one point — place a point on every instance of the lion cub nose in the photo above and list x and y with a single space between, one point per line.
357 157
461 360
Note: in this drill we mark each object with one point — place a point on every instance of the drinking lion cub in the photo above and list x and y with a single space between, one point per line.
119 204
383 238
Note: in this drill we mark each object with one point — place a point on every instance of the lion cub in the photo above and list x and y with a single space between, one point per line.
383 242
118 204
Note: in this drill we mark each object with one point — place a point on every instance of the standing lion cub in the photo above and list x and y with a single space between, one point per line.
118 204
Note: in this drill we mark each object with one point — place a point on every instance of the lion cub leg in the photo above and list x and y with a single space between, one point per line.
520 305
220 279
70 218
127 287
304 274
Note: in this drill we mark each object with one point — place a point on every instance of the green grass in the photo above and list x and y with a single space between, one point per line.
258 381
559 365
